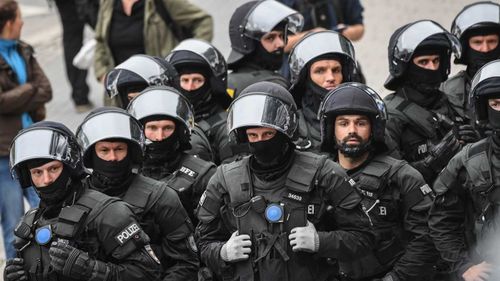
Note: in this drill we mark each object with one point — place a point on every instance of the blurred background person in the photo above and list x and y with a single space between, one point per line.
128 27
24 91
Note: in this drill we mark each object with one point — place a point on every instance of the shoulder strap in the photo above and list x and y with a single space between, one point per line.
237 180
143 193
167 18
212 121
374 177
477 164
302 174
23 228
422 119
190 171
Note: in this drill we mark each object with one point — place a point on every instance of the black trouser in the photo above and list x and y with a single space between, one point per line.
72 42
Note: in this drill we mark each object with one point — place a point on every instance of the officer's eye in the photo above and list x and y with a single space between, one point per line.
36 173
436 60
319 70
342 123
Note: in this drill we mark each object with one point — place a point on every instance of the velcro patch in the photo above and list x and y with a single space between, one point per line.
426 189
188 172
127 233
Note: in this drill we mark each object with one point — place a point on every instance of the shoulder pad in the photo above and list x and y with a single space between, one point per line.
143 192
302 174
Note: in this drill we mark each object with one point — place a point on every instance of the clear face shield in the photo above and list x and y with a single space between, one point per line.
489 70
162 101
260 110
109 125
133 69
208 52
266 15
317 44
414 34
43 143
474 14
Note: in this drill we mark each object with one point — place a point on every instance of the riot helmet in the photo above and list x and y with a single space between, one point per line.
44 141
162 102
253 19
317 46
485 85
352 98
198 56
263 104
113 124
137 73
478 19
409 40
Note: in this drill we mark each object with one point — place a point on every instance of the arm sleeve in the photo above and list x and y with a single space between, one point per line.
347 242
177 244
416 199
192 17
447 215
211 232
128 259
353 12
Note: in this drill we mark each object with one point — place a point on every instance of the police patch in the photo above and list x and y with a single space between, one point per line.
425 189
192 244
188 172
127 233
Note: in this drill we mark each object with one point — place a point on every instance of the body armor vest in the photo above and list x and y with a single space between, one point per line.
71 224
272 257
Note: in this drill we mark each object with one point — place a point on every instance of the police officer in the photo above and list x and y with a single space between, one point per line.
203 80
112 142
477 27
76 233
258 31
262 217
318 63
464 219
137 73
167 119
421 121
395 196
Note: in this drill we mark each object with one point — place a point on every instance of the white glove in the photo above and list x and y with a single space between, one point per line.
237 248
304 239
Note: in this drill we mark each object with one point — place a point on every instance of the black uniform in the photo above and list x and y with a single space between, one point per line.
307 187
163 218
90 221
396 199
185 174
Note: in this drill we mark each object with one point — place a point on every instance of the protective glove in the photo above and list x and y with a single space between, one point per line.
72 262
237 248
14 270
441 153
467 134
304 239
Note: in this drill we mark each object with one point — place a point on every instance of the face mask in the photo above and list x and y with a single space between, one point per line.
424 80
476 60
159 151
199 96
269 152
494 118
269 61
353 151
314 95
113 172
56 191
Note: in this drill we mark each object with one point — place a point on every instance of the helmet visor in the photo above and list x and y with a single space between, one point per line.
162 102
108 125
42 143
474 14
211 55
260 110
489 70
317 44
267 14
133 70
414 34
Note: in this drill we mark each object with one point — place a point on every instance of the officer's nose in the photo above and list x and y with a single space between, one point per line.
159 135
47 179
189 85
112 156
279 42
484 48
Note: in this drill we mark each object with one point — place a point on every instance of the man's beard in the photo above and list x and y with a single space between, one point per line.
353 151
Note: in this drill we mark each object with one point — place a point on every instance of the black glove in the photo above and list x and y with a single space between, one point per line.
467 134
14 270
441 153
72 262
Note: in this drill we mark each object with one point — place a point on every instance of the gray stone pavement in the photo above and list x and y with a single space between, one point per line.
42 28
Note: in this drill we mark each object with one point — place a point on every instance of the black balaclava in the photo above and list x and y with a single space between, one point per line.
54 193
272 157
474 59
201 96
494 118
425 81
270 61
111 177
